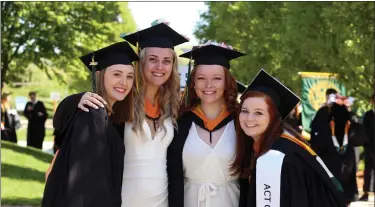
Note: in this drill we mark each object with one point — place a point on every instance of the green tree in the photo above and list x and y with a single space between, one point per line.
287 37
52 35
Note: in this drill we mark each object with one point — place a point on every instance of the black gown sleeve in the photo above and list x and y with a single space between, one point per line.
244 188
87 182
175 166
368 123
44 112
301 186
320 131
26 112
80 176
65 112
175 173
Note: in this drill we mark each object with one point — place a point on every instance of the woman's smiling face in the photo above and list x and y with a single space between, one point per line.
254 117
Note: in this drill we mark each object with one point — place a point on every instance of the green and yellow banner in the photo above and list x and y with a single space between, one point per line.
313 93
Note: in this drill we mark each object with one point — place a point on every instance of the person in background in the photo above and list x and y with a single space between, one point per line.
281 169
330 139
369 150
9 119
294 120
36 114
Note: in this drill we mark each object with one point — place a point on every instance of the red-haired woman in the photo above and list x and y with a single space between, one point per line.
199 158
282 170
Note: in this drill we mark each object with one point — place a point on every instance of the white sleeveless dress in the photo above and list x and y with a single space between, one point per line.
145 182
208 182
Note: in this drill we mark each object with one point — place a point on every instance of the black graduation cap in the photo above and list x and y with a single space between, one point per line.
159 35
240 87
284 98
212 54
118 53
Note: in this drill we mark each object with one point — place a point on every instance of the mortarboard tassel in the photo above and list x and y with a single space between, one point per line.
93 71
186 95
137 69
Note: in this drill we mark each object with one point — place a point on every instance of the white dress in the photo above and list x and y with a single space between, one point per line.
145 182
208 182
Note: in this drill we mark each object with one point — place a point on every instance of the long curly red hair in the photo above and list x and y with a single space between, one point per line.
230 93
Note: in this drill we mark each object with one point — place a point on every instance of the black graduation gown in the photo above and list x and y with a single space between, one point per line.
35 128
174 161
294 121
342 166
302 180
9 133
174 156
88 169
369 149
64 114
369 125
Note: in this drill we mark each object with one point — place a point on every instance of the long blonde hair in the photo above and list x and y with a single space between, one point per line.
5 105
168 95
121 111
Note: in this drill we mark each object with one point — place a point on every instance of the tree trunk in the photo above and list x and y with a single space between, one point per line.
4 68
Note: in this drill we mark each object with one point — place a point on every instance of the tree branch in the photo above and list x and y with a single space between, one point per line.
24 38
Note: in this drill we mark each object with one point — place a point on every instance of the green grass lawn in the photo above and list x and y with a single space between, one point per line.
22 174
21 134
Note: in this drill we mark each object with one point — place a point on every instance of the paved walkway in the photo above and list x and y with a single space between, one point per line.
364 203
47 145
48 123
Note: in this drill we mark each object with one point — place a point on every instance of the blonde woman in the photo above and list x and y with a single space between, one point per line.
145 181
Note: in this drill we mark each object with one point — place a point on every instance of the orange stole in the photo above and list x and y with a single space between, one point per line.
152 111
210 124
300 143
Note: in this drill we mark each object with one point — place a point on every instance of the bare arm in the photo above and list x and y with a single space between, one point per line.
51 166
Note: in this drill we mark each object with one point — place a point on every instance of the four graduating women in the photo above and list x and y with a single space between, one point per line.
195 159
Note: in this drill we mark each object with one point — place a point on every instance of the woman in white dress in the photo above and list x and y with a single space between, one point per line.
201 154
145 181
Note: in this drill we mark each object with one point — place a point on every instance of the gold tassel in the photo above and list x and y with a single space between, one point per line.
93 65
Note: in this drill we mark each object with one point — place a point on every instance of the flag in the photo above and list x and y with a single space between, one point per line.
313 93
